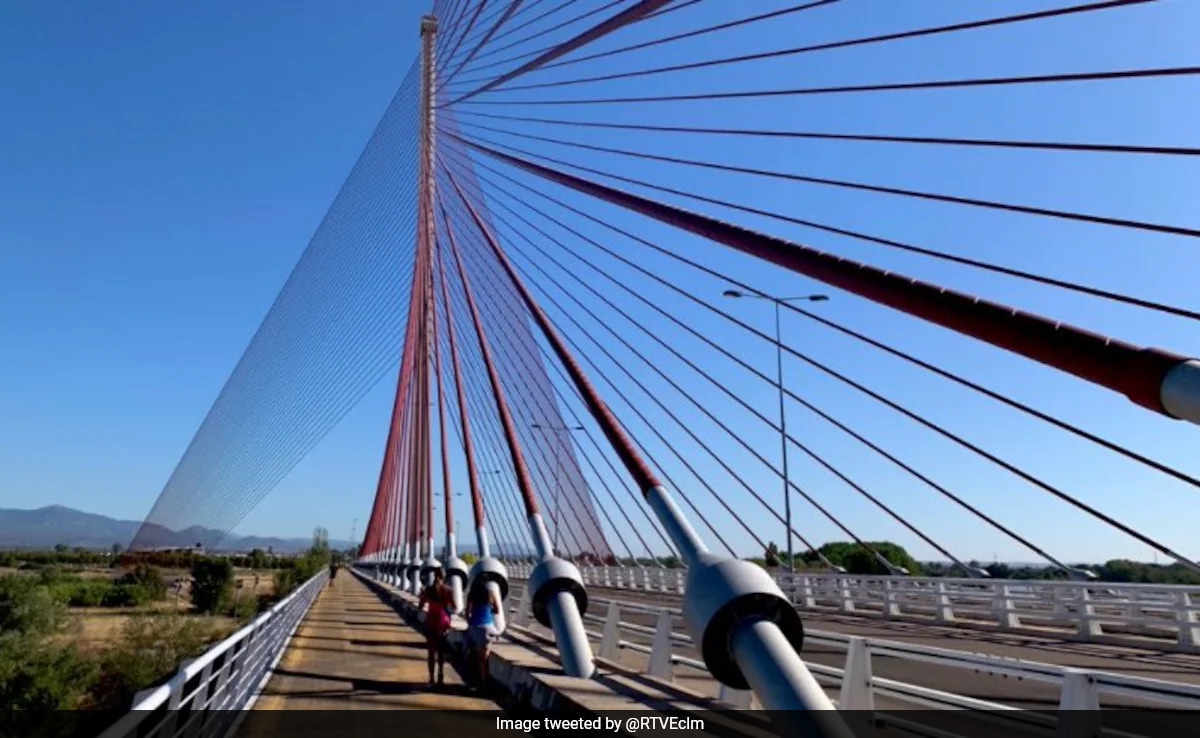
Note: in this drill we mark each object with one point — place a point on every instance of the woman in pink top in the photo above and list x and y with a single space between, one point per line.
437 622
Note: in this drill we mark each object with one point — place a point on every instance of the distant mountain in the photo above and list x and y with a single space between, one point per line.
49 526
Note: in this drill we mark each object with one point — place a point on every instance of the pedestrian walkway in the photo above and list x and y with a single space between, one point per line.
353 652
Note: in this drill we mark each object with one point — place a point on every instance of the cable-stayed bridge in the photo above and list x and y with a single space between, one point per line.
664 285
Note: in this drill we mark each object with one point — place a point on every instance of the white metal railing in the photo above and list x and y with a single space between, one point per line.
1077 689
203 698
1169 614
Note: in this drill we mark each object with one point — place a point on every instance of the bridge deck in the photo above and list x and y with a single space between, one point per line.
352 652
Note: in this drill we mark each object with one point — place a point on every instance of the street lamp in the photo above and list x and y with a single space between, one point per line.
787 496
557 481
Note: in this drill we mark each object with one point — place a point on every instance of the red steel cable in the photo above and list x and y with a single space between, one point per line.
441 400
529 38
1131 370
508 12
624 448
613 23
692 34
524 480
795 51
464 420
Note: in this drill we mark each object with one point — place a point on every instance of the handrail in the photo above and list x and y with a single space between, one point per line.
229 673
1079 689
1105 612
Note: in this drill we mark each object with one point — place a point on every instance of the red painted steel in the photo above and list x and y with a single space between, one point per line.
464 419
524 480
624 18
645 478
1131 370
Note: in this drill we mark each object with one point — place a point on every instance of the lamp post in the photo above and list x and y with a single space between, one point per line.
787 496
557 480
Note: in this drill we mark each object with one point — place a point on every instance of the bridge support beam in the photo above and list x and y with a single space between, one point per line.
457 576
734 609
560 601
491 573
1180 391
749 633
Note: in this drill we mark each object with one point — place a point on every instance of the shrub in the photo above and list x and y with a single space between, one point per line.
50 575
286 580
149 652
264 602
83 593
245 607
149 579
28 608
212 585
126 595
258 559
36 675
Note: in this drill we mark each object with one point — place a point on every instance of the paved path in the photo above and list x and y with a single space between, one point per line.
353 652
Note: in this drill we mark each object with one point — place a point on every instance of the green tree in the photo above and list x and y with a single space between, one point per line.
469 559
258 559
149 579
318 557
27 607
61 548
212 585
35 672
150 650
320 542
771 555
285 580
857 560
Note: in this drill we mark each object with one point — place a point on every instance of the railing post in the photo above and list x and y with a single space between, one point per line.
610 642
857 692
519 617
890 608
810 601
197 713
1006 614
608 581
1079 706
1189 633
945 613
660 652
1088 625
235 665
662 580
740 698
847 597
679 580
1059 605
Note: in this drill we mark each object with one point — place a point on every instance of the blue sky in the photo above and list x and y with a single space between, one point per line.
168 164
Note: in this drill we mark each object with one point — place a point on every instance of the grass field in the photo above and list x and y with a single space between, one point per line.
93 629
